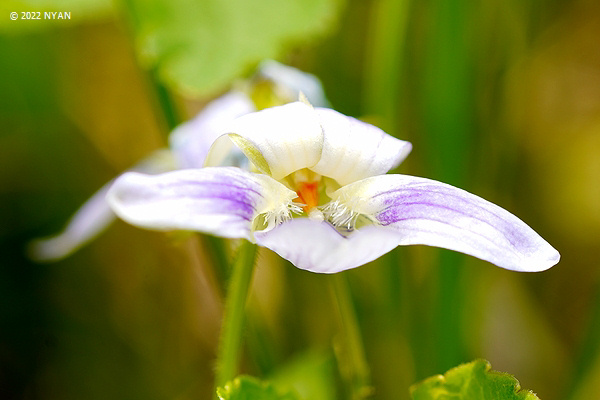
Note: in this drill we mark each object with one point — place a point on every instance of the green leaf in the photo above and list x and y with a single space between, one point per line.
311 374
472 381
249 388
199 47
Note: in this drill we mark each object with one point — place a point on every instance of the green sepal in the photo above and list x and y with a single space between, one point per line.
252 152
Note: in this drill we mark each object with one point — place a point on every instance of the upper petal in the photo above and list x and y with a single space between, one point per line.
432 213
93 216
278 140
354 150
191 140
290 82
222 201
91 219
316 246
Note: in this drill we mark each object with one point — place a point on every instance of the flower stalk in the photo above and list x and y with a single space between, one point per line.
358 372
233 319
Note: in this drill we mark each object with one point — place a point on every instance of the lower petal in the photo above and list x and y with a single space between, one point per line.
432 213
318 247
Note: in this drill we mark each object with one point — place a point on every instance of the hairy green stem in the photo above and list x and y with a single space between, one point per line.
233 319
448 116
358 369
216 248
384 69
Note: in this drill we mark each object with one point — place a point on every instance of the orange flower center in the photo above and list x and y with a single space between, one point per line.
308 194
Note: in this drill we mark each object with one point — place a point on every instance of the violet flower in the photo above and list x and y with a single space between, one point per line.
317 195
188 146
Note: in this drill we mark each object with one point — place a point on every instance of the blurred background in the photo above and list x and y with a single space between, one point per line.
498 97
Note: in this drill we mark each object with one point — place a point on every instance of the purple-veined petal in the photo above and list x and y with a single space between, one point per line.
432 213
316 246
278 140
191 140
93 217
354 150
290 82
223 201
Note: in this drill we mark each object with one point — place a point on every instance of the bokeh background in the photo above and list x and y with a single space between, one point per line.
499 97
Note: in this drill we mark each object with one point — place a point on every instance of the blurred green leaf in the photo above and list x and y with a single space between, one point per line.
79 11
249 388
199 47
310 374
472 381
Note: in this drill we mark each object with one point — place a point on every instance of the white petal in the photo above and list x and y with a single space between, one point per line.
93 217
221 201
191 140
290 82
432 213
278 140
354 150
89 221
316 246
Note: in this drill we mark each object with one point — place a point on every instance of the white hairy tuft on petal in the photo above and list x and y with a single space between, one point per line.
427 212
340 214
354 150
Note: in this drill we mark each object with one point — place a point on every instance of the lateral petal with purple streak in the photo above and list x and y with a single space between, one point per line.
432 213
316 246
223 201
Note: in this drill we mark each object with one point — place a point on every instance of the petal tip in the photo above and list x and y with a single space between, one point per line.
47 250
541 259
548 258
